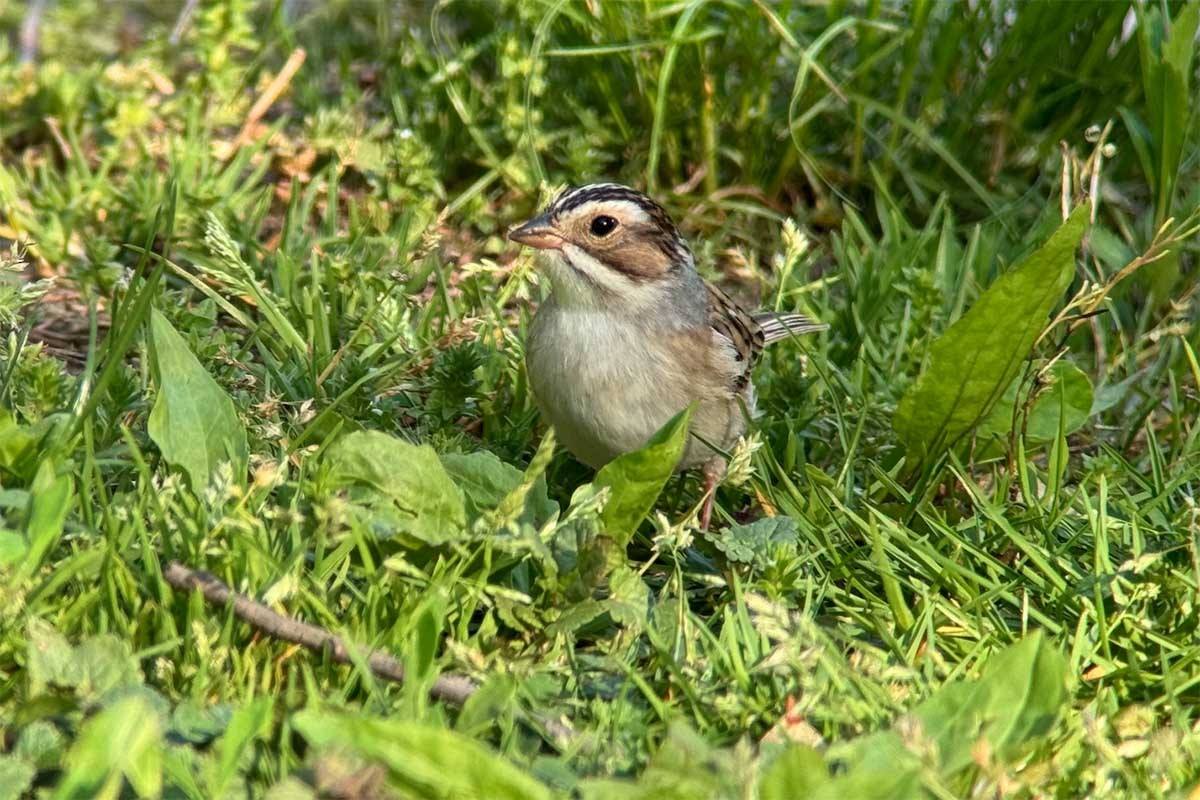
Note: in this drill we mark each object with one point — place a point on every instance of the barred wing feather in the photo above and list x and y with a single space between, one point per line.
780 326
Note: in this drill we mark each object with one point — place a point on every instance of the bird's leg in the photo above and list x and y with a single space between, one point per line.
713 472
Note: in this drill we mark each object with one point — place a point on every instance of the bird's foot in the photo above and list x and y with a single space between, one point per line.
713 472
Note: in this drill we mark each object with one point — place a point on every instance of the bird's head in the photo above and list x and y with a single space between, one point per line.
608 245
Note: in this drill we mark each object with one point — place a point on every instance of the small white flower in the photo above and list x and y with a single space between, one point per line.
795 240
741 468
668 537
163 669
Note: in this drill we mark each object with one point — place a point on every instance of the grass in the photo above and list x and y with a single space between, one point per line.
280 340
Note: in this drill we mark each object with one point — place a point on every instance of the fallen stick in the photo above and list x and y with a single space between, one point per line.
449 687
267 99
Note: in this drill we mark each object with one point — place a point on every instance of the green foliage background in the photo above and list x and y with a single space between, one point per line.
282 342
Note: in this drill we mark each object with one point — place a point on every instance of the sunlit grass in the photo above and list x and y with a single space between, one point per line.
333 260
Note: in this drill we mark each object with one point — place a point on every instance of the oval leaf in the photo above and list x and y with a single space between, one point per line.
486 481
404 484
193 422
126 739
422 760
51 498
976 359
636 479
1015 701
757 542
1069 395
1067 401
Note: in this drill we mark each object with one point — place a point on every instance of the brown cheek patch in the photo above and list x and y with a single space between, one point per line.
639 250
639 258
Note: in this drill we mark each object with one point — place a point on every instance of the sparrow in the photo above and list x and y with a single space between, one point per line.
630 334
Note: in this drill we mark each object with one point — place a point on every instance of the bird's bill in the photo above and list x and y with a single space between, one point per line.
537 232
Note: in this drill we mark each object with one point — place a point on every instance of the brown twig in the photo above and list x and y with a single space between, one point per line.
450 687
56 131
271 94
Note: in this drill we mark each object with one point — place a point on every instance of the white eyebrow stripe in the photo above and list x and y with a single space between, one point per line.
628 210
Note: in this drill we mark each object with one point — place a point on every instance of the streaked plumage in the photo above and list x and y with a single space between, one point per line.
631 334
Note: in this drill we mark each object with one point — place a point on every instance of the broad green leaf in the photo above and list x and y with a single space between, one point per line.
486 481
976 359
877 766
756 542
954 717
796 772
420 651
199 724
636 479
104 663
611 789
628 601
51 497
247 723
483 478
1017 698
41 744
97 666
422 760
575 616
1108 395
1069 389
492 702
51 659
13 548
193 422
404 486
899 782
1027 684
124 741
686 767
18 444
16 776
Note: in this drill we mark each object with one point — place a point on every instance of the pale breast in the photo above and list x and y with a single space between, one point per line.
608 383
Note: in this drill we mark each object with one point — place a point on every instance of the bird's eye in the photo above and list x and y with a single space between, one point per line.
603 225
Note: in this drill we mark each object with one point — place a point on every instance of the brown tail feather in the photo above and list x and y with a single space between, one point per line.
780 326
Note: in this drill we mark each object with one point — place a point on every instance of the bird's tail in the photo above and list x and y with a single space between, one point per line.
780 326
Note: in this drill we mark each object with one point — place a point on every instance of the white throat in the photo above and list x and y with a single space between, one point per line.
582 283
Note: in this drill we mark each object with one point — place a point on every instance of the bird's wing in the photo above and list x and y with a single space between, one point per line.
748 334
744 335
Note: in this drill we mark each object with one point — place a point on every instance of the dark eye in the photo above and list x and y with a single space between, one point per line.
603 225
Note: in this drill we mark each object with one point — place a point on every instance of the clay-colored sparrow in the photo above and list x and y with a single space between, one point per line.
631 334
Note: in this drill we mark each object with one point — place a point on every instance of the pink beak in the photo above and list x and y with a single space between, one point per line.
538 233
